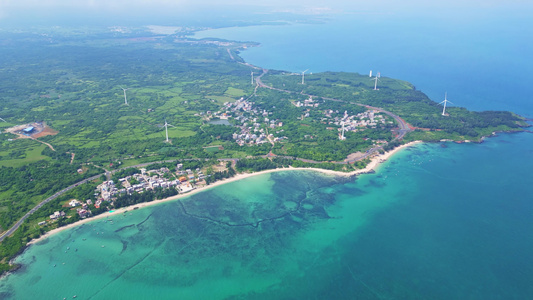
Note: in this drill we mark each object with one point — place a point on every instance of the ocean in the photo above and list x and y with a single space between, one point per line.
436 221
482 60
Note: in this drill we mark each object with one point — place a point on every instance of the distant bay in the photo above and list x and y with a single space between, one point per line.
436 221
479 57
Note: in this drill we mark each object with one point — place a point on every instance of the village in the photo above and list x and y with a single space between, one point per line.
183 181
356 122
254 126
254 122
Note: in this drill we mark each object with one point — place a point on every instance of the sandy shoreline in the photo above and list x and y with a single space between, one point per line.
370 167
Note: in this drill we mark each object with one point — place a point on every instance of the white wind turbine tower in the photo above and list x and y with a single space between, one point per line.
445 101
342 138
252 77
125 99
166 129
303 76
376 80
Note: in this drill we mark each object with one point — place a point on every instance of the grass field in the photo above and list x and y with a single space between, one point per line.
233 92
221 99
27 151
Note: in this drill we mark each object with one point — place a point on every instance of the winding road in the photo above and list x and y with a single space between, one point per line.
54 196
403 129
107 173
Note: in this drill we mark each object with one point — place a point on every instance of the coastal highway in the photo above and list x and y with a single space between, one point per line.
19 222
403 126
107 173
403 129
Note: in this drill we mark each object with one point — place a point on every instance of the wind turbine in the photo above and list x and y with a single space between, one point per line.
376 80
252 77
3 120
370 75
445 101
166 129
125 100
303 76
342 138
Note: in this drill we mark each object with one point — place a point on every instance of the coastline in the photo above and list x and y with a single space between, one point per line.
376 160
374 163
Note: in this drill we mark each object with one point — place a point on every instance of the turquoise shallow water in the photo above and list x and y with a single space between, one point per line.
244 237
437 221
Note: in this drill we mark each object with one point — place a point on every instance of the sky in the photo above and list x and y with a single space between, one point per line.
46 12
49 11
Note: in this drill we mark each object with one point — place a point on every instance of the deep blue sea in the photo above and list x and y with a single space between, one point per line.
484 61
436 221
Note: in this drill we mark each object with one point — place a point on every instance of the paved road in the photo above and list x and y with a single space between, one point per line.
108 174
403 127
54 196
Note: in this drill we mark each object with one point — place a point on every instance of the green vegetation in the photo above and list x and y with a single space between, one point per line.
260 164
401 98
230 172
311 137
74 86
73 81
135 198
20 153
22 187
30 229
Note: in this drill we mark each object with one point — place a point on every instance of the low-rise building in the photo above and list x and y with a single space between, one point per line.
185 187
57 215
83 213
74 203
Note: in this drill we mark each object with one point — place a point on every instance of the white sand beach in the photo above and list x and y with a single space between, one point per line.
376 160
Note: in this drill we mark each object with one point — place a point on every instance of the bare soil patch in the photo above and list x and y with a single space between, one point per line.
46 131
